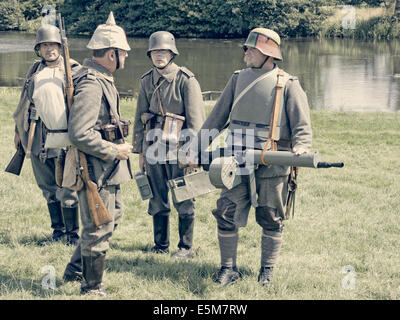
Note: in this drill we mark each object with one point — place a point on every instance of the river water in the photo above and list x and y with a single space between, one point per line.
337 74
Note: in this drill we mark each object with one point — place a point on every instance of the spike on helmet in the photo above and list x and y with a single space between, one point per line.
265 40
162 40
47 33
109 35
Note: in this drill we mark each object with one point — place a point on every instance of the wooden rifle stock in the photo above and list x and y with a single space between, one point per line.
17 161
98 210
31 133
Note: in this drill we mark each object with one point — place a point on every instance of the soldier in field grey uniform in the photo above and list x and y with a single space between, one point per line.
246 102
166 88
44 88
96 104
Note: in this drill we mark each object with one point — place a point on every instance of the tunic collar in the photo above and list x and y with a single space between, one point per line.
262 71
89 63
170 76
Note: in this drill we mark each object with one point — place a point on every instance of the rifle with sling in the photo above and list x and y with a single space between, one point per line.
98 210
33 116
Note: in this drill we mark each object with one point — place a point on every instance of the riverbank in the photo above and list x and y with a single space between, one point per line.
361 23
341 245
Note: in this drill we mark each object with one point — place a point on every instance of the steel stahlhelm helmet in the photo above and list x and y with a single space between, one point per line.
47 33
162 40
265 40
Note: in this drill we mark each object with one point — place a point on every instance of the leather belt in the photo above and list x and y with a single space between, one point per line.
246 124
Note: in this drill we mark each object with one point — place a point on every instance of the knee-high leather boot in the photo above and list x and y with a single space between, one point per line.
57 221
161 233
73 271
186 227
71 220
92 269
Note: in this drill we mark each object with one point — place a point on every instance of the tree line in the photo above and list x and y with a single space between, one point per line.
184 18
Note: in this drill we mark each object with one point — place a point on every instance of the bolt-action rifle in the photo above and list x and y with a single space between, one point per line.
98 210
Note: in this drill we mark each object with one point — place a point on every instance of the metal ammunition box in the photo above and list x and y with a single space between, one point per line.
144 185
190 186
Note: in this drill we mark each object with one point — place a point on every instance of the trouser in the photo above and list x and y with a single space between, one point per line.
232 211
60 201
74 267
159 206
94 240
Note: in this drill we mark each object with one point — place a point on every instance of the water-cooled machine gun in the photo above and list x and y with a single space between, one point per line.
223 169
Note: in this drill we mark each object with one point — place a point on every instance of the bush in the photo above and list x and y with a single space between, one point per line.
385 27
195 18
10 15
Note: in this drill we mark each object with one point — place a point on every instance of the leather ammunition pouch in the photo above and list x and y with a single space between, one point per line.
170 124
111 132
171 128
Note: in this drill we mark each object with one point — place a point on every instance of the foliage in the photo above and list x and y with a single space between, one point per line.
371 3
32 9
194 18
383 27
10 15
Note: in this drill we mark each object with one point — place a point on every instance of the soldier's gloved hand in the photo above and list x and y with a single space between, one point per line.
123 151
17 140
142 163
299 150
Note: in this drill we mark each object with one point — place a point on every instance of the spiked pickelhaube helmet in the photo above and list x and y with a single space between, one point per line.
265 40
109 35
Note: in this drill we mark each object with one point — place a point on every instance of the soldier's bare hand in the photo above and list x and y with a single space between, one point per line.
299 150
123 151
192 159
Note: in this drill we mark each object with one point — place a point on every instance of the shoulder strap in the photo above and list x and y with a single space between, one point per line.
158 96
145 74
113 111
275 115
187 71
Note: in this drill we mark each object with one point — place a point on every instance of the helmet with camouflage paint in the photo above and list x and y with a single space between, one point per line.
265 40
162 40
47 33
109 35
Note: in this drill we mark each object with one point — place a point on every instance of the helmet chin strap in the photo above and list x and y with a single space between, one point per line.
262 65
169 62
50 61
117 58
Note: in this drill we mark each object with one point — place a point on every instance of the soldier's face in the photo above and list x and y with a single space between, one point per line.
122 56
160 58
253 58
50 51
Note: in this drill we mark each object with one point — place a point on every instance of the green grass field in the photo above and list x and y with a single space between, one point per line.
343 242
